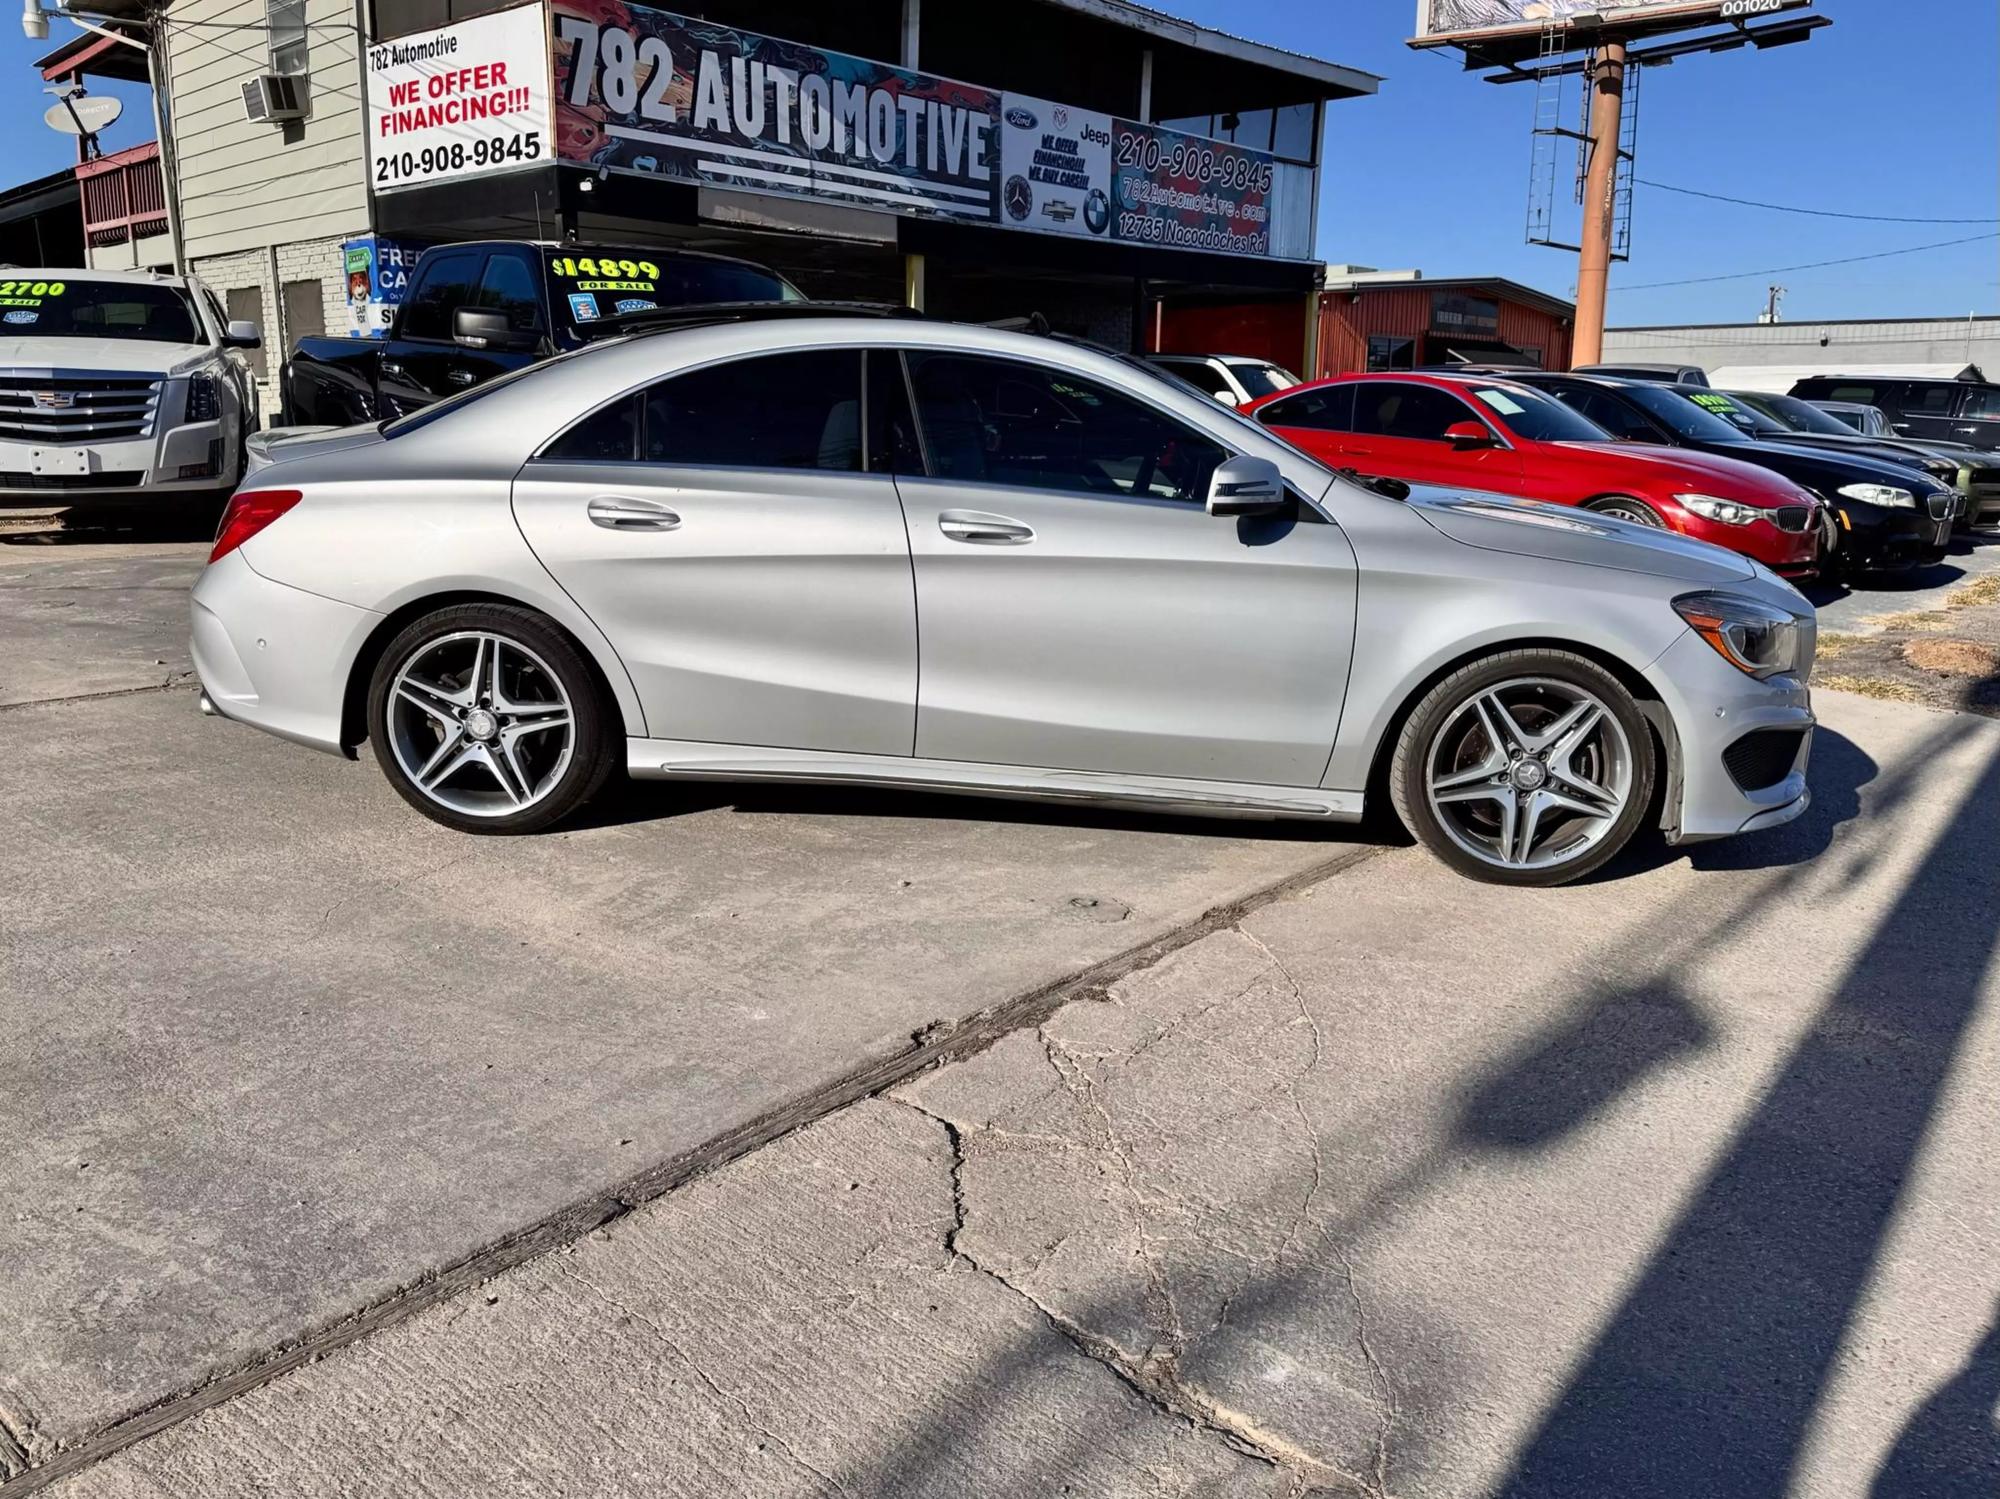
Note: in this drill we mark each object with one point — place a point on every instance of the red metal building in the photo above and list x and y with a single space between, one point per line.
1371 320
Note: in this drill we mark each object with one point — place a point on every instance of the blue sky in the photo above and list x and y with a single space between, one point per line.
1888 111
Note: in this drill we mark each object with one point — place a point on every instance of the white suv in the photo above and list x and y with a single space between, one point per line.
119 387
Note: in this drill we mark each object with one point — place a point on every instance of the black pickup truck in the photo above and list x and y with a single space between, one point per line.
479 309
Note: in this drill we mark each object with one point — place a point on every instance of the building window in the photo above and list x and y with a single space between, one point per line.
305 310
285 21
1392 353
1292 133
246 305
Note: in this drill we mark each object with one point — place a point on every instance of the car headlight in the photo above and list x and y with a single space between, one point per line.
203 403
1729 512
1942 470
1757 639
1880 494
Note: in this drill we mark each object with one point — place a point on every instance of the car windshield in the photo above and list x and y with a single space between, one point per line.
1738 413
588 283
39 308
1681 416
1260 378
1803 416
1538 418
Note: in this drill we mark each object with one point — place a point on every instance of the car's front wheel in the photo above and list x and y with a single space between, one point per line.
1624 507
1530 767
488 719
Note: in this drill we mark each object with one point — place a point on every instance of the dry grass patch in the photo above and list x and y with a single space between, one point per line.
1984 590
1888 692
1915 619
1835 644
1953 658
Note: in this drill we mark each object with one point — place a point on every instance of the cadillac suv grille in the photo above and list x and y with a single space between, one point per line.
77 408
1793 517
117 479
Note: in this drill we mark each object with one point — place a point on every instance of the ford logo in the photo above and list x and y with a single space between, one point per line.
1022 119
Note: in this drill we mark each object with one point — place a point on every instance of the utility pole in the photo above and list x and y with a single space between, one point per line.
1607 84
1777 295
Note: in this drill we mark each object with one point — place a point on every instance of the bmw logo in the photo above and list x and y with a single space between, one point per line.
1019 198
1096 211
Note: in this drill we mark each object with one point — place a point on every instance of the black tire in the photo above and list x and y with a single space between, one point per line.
1624 507
1435 713
544 654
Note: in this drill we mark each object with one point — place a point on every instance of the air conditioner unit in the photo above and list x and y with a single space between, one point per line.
277 96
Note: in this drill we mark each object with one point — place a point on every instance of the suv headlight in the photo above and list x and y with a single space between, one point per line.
203 403
1886 495
1729 512
1941 469
1757 639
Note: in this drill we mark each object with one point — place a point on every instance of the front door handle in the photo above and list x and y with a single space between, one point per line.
982 529
1348 447
390 367
617 512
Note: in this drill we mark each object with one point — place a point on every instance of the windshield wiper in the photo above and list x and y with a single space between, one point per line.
1394 489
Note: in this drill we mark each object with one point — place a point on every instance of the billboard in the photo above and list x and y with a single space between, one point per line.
1479 20
459 101
643 90
664 95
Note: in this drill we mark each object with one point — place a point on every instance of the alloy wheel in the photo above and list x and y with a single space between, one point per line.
480 724
1531 773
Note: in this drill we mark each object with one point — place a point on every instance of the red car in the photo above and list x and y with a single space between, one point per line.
1487 433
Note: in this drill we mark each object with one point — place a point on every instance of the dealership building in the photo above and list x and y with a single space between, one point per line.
1094 161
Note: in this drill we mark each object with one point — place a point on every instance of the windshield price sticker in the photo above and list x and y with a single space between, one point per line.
29 293
591 274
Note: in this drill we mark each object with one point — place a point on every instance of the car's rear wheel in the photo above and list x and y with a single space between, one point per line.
1531 767
1624 507
487 718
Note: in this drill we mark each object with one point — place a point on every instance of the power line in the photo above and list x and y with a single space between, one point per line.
1818 213
1813 265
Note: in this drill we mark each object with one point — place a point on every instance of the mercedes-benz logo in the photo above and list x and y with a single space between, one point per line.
1018 197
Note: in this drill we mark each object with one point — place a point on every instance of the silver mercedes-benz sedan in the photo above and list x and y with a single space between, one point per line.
897 552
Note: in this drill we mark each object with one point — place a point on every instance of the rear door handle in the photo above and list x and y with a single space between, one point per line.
1348 447
461 377
982 529
617 512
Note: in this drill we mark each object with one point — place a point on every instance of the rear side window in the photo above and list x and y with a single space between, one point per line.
1327 409
1202 375
1607 411
1924 400
443 286
1026 426
1414 412
774 411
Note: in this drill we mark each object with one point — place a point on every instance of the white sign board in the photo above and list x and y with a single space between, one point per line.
460 101
1055 167
1441 19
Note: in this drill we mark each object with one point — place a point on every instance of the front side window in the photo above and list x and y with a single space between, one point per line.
508 285
1325 408
997 421
1982 403
35 305
1417 413
443 286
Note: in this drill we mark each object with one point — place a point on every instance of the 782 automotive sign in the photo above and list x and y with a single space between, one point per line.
459 101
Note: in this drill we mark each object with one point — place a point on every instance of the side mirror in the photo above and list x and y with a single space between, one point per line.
480 328
1465 436
1245 486
242 334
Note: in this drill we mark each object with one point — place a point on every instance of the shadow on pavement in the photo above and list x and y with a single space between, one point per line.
1952 1444
1707 1378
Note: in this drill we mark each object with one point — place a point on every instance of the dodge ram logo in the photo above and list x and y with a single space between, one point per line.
54 400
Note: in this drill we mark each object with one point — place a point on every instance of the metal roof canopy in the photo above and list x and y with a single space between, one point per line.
95 56
1500 286
1330 80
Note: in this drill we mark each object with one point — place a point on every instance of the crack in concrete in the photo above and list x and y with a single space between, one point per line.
1154 1376
17 1436
1385 1430
713 1386
173 680
326 917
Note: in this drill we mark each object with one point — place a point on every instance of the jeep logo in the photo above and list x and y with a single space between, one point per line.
1096 135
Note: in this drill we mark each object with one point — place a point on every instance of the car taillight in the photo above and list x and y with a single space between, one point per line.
249 512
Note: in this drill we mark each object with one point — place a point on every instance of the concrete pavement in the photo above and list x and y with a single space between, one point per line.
1682 1182
276 1053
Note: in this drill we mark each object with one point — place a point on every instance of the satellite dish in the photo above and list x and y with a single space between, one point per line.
96 111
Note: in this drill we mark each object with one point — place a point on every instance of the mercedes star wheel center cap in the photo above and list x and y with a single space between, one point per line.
480 724
1530 775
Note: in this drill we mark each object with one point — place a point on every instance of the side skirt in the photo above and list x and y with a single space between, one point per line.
672 759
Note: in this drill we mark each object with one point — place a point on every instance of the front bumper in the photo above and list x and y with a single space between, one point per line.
192 459
1871 538
272 656
1716 708
1788 553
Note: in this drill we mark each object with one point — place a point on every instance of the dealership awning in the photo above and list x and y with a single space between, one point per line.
1484 351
